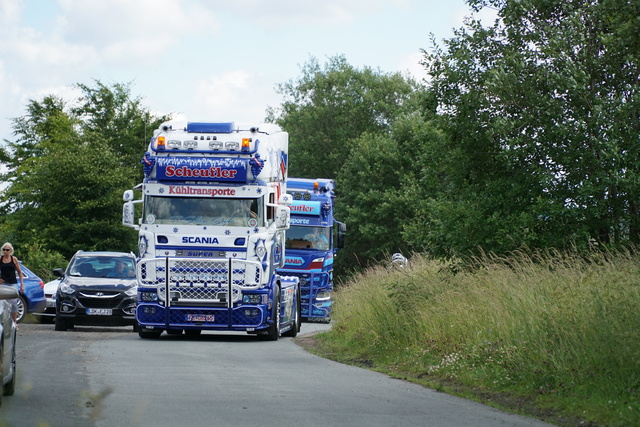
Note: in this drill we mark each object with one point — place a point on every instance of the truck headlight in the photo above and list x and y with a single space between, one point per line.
253 298
149 296
323 296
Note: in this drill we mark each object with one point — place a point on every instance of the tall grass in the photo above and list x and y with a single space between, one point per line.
563 329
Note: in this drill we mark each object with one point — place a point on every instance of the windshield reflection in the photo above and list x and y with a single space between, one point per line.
299 237
204 211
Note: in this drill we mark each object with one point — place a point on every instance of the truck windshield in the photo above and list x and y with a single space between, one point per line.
303 237
204 211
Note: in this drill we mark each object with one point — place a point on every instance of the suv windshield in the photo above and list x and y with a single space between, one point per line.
204 211
103 266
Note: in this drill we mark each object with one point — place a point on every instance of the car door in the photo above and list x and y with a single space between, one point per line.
7 339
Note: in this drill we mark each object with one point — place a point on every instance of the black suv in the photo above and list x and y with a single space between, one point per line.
97 288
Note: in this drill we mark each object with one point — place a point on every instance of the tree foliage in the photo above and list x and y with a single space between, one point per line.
525 135
328 107
542 112
339 120
68 166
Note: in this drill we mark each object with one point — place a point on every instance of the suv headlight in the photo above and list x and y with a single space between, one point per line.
65 288
132 291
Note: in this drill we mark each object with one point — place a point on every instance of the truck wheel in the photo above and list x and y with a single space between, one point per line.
295 328
149 333
273 331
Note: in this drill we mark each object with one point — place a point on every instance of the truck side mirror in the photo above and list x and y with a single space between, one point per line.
342 232
129 215
283 214
128 196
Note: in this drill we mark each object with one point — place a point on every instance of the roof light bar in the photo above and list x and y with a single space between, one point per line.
198 127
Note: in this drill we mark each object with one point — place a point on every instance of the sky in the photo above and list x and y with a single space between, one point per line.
204 60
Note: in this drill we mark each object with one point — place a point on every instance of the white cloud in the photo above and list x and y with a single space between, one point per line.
284 14
233 96
10 12
124 31
411 65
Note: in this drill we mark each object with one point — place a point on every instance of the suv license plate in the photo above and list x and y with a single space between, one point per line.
99 311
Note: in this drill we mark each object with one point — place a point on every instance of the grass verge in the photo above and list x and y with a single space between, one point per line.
554 336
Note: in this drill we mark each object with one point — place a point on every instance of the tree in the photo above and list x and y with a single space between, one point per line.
112 114
339 121
327 108
68 167
386 176
541 112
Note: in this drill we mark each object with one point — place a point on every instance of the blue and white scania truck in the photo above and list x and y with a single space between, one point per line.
212 218
312 242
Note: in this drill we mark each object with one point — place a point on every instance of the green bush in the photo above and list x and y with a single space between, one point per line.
41 261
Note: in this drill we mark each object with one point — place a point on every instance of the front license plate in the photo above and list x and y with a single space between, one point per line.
200 318
99 311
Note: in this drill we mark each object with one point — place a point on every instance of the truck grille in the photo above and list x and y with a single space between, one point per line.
197 280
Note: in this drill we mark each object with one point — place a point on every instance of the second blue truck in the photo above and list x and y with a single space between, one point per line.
311 244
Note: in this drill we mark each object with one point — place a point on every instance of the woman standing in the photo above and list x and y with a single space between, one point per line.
9 265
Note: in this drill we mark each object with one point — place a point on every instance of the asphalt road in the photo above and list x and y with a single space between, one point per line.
108 377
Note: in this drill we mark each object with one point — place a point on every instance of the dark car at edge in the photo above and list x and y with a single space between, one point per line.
97 289
7 343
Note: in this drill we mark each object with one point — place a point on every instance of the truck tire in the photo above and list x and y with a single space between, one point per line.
148 333
295 328
273 331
